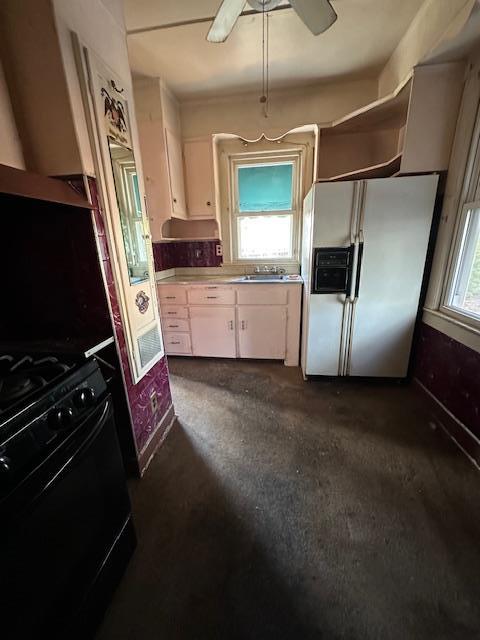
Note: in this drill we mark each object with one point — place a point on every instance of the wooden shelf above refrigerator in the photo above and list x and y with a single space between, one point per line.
409 131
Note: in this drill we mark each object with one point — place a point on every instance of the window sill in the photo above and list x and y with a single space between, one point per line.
462 332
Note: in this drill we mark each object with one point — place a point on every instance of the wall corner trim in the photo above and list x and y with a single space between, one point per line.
156 440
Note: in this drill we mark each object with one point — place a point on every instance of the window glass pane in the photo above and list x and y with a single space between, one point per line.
466 293
265 187
264 237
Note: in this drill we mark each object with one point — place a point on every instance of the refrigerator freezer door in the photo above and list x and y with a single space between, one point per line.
306 271
325 328
326 316
334 210
395 221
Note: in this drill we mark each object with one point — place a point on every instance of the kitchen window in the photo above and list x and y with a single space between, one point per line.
462 293
265 205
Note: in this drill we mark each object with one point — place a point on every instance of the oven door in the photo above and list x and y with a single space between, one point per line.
58 529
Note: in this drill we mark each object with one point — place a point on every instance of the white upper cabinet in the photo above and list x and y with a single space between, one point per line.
160 136
176 180
179 175
199 177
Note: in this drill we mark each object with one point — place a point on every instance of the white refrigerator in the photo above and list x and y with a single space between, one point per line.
364 246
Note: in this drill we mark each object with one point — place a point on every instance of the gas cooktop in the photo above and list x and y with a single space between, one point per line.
23 376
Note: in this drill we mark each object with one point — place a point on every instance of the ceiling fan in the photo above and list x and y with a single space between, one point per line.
317 15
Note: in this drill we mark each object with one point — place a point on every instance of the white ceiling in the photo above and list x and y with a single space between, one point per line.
362 39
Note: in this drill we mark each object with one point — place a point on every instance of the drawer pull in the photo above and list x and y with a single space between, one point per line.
173 326
175 342
172 313
170 297
212 297
212 287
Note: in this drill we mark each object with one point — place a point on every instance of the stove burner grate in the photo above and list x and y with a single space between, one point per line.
19 377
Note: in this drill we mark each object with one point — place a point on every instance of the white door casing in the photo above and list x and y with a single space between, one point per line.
138 300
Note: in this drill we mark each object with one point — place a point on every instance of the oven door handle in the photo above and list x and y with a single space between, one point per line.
39 480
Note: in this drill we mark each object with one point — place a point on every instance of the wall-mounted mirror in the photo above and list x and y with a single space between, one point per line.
130 207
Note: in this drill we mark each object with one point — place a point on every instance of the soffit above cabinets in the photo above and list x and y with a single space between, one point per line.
359 43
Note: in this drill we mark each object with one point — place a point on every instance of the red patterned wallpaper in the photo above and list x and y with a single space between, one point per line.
192 253
144 421
451 372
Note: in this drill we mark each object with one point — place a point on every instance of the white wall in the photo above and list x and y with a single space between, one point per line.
451 209
100 26
437 21
243 114
11 152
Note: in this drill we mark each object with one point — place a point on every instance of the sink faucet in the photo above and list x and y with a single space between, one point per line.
267 269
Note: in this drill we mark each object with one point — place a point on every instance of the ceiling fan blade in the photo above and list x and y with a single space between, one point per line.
317 15
225 20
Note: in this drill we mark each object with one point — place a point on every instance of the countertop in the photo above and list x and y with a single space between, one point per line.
226 279
79 347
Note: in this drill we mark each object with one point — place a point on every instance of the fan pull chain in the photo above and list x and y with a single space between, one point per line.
265 62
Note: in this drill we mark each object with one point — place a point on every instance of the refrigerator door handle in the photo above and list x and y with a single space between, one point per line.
348 355
359 264
344 337
353 271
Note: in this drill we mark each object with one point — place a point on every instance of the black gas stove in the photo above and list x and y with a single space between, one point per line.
42 401
66 531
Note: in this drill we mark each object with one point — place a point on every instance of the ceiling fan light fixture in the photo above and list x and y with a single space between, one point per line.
317 15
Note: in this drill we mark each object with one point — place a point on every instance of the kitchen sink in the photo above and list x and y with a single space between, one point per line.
265 276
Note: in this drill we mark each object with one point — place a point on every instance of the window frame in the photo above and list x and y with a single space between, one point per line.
469 200
265 158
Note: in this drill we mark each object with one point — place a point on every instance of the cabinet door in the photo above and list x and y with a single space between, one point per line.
262 332
213 331
175 174
199 180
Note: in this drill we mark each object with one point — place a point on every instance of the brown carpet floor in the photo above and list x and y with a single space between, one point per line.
291 510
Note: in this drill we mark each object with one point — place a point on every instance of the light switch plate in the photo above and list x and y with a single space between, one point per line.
154 401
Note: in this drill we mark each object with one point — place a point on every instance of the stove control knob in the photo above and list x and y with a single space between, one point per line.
84 398
60 418
5 464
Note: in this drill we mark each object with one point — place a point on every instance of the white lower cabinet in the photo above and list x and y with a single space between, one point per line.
177 343
228 321
262 331
213 331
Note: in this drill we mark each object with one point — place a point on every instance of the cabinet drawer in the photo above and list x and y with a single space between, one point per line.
175 324
167 311
177 342
172 295
212 294
262 294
